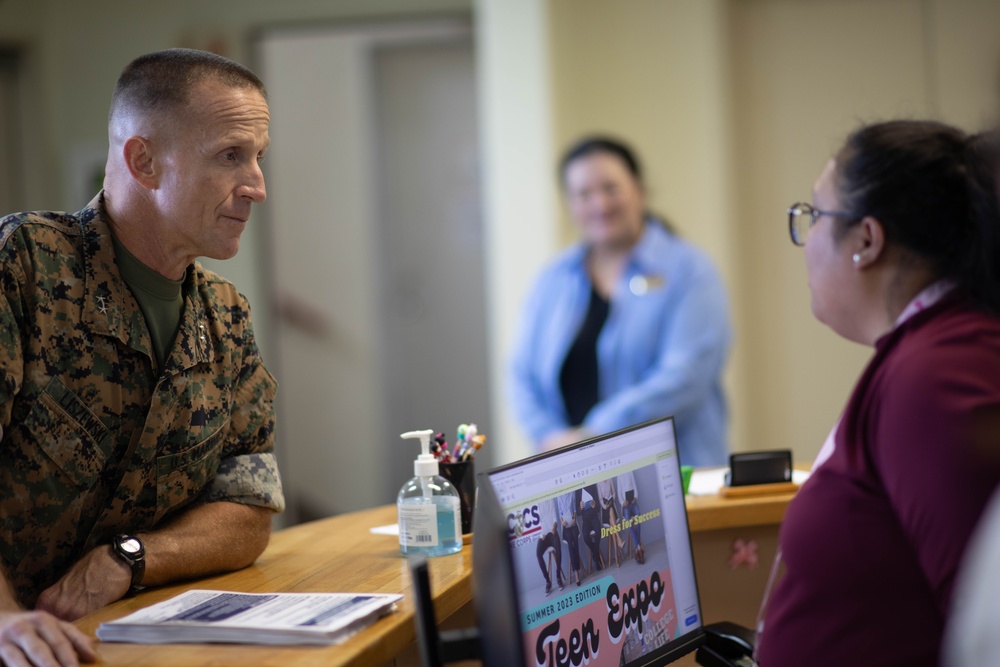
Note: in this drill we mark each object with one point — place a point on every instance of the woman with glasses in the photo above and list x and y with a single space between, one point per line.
902 250
628 325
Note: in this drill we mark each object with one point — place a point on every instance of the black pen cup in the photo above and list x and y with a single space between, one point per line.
462 476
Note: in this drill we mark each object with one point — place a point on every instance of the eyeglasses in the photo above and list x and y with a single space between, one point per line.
802 216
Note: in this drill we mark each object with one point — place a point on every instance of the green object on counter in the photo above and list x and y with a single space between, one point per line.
686 477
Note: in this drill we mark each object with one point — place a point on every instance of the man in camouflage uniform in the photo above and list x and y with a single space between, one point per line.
133 399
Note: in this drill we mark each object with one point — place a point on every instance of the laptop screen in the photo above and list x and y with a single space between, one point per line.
601 553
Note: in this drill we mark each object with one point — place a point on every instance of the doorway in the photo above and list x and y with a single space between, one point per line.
430 238
376 250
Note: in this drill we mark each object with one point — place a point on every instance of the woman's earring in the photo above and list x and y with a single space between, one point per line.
856 258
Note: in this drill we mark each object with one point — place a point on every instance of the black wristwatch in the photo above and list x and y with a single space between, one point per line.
130 549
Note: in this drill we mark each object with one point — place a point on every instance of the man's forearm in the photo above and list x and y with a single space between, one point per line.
209 538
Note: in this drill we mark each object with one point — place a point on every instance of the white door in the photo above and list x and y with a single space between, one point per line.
430 244
374 248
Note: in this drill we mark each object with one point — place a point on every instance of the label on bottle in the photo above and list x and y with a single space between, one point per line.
418 525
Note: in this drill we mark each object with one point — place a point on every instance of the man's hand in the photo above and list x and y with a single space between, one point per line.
36 638
209 538
97 579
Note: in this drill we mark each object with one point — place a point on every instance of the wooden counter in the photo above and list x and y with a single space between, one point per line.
340 554
716 513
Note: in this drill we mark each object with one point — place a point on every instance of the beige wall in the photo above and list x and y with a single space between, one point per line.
734 106
796 100
515 102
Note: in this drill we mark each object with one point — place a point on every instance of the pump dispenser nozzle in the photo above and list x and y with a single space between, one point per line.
425 465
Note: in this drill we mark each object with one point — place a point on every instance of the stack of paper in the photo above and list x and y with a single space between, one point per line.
199 616
708 481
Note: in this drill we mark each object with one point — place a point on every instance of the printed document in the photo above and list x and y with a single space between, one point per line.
200 616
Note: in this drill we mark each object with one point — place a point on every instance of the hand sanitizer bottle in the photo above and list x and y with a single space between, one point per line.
430 521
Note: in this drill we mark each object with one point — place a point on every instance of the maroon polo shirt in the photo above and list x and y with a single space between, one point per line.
872 541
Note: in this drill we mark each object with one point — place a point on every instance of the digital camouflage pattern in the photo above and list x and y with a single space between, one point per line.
94 440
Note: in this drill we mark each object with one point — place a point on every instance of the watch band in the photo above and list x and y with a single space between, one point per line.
131 550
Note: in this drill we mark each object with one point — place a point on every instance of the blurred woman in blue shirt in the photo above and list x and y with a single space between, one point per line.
628 325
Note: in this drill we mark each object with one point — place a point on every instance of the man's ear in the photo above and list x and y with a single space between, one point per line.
138 155
868 241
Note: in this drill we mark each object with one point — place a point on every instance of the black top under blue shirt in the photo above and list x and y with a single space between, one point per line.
578 378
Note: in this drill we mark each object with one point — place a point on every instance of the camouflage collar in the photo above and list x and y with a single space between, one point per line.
110 309
192 345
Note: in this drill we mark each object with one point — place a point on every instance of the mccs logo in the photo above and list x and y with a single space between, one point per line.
523 523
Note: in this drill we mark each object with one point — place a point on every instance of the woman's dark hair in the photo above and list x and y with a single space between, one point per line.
934 190
602 144
597 144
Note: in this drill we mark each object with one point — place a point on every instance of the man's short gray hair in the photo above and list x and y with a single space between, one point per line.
161 81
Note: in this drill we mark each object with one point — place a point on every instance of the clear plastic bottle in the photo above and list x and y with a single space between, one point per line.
430 520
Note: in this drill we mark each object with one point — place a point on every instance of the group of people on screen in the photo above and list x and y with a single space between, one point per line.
589 514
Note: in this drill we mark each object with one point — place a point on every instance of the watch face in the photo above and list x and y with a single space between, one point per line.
130 545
